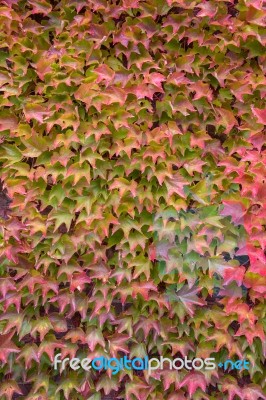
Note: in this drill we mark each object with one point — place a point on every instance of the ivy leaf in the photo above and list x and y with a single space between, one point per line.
252 392
61 217
220 266
193 381
67 385
229 384
8 122
188 296
176 185
96 396
201 192
141 265
235 210
40 6
107 384
137 388
142 288
43 326
260 115
13 320
118 343
95 337
8 388
35 146
6 286
226 119
49 345
35 111
7 346
29 353
58 322
41 381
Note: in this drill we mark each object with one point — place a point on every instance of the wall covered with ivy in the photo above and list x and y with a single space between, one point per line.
132 204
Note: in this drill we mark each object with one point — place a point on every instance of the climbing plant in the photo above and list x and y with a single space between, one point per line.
132 205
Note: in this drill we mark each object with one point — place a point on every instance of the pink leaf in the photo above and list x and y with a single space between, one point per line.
193 381
260 114
235 210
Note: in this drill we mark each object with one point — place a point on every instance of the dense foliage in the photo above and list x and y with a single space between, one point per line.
133 154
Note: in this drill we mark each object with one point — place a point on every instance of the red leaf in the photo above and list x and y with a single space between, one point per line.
226 119
251 332
105 73
260 114
8 122
6 285
252 392
117 342
193 381
35 111
235 210
234 274
230 385
7 346
10 2
143 289
207 10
